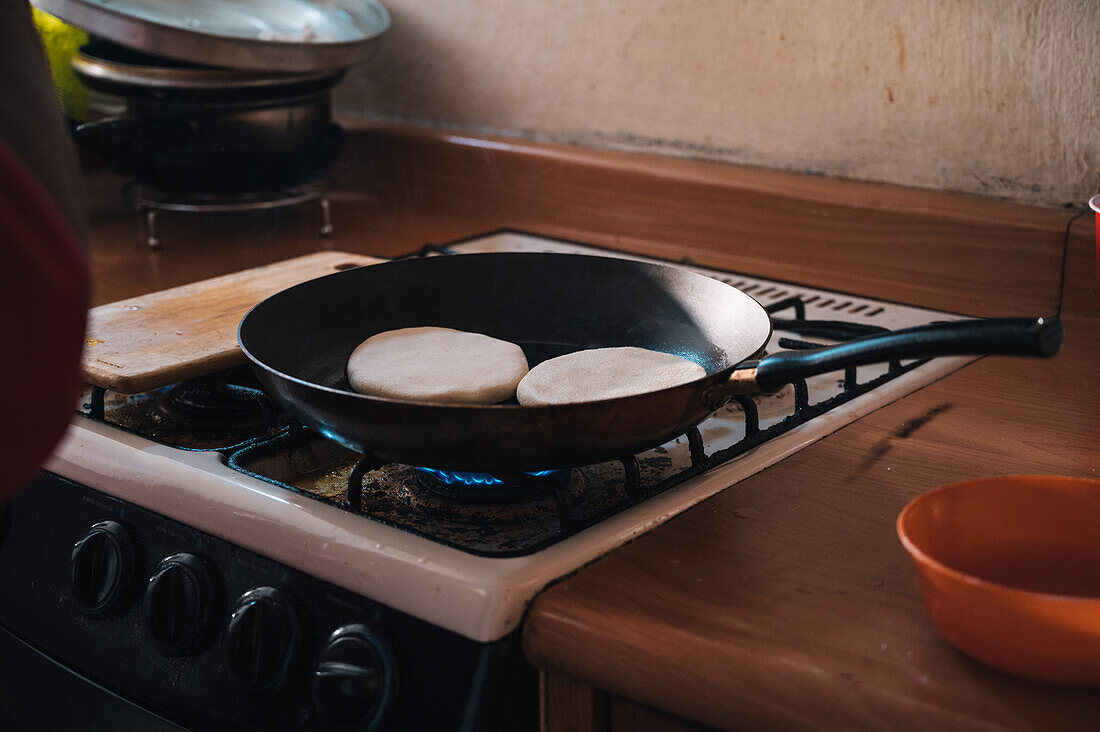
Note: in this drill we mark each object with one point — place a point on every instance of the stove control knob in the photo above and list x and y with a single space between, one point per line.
101 572
179 605
262 637
355 679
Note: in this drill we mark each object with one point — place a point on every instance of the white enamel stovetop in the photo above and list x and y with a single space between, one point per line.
480 597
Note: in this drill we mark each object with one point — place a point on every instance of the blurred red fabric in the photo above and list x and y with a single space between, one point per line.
44 282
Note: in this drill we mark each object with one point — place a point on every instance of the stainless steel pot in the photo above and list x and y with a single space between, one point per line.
198 129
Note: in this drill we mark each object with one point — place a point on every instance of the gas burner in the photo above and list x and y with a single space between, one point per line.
488 488
217 412
503 520
150 200
212 400
508 518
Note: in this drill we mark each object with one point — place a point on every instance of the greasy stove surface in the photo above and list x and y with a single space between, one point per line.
227 413
305 462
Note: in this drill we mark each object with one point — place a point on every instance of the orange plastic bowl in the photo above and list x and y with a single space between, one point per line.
1010 571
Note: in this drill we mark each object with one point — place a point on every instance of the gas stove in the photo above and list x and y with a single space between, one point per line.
399 559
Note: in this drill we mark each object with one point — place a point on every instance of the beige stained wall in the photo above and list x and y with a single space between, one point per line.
995 97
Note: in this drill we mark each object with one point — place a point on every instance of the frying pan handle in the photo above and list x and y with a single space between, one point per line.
1041 337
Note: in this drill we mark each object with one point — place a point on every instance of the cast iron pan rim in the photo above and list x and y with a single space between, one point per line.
700 383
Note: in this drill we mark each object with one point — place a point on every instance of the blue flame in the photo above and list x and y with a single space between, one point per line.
451 477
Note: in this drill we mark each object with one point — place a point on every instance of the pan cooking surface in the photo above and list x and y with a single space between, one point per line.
548 304
309 332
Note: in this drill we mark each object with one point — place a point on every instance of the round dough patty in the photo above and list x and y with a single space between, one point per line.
604 373
437 365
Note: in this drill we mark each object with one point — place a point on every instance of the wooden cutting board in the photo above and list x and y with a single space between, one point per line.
150 341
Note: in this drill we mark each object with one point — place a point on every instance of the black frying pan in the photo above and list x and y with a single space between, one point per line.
299 341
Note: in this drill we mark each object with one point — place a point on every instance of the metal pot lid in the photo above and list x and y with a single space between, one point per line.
113 69
266 35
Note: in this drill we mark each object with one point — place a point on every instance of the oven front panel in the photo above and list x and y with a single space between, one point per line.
137 641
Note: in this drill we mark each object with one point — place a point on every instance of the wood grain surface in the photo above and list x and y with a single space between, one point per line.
961 253
570 705
156 339
787 601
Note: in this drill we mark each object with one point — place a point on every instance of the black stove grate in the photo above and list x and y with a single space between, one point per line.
218 412
498 531
282 452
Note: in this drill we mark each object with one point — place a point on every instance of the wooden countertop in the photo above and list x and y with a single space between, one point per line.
786 601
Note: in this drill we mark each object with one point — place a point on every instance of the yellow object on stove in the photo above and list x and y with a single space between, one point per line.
62 41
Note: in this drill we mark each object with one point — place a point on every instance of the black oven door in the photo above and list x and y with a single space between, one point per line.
38 693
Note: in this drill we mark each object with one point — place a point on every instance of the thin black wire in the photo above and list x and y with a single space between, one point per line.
1065 258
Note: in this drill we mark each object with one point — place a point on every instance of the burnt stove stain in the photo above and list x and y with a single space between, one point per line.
141 415
394 495
215 412
906 430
